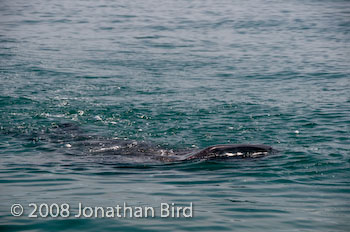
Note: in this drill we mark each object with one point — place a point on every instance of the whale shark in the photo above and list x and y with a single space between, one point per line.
125 151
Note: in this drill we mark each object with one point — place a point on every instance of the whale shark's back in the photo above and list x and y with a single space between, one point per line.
114 150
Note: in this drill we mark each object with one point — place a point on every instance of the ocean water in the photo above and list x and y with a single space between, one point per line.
180 74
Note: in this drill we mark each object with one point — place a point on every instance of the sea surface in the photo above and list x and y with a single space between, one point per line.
180 74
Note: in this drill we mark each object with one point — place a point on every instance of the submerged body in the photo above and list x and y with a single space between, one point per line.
126 151
134 152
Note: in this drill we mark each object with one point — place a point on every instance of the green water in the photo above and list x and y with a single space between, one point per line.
184 75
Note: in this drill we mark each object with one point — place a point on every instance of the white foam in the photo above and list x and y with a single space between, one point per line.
98 118
109 148
233 154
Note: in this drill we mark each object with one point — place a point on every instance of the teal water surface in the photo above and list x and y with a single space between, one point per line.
183 75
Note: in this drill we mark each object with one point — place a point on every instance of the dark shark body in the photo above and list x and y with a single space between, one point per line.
74 142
